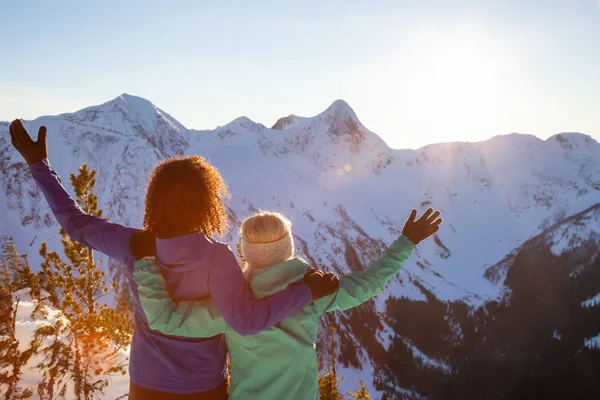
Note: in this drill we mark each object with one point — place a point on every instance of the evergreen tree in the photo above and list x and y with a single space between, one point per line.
13 272
92 333
240 253
328 382
361 393
18 268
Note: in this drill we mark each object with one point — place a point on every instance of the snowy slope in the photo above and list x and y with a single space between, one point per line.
497 193
346 191
25 327
539 341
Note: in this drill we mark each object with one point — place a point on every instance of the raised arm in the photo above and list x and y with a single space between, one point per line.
358 287
233 297
97 233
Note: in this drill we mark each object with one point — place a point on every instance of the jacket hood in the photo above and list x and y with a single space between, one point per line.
184 253
269 281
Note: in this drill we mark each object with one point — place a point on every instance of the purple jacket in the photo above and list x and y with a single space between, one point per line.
194 267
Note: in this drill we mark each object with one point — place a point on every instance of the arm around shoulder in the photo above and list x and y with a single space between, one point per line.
234 299
185 318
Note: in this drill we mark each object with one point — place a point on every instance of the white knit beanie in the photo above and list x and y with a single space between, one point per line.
262 255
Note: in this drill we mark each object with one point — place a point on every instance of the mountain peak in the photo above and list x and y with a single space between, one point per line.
132 115
134 108
239 125
243 122
284 122
341 119
341 108
128 101
128 96
571 140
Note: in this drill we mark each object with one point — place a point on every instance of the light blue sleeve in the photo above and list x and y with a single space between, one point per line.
358 287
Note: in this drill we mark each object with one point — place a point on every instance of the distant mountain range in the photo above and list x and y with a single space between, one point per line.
516 257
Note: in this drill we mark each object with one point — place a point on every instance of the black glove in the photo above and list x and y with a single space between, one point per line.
31 151
321 284
424 227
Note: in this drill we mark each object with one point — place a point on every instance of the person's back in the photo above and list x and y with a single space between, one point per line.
279 362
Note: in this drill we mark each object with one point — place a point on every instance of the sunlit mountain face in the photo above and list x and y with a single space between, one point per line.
501 303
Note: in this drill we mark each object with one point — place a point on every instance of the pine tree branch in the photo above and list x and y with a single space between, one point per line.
14 317
103 294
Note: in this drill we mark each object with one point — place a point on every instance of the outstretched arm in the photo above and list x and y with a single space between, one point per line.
97 233
358 287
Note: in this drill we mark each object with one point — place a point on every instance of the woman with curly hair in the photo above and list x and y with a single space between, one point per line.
183 209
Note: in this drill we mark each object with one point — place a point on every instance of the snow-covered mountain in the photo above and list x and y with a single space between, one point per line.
346 192
540 340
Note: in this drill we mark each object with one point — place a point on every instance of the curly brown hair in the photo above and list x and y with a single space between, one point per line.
185 195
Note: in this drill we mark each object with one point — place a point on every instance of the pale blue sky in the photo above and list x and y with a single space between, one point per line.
415 71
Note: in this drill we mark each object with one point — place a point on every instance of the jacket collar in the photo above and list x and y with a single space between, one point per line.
269 281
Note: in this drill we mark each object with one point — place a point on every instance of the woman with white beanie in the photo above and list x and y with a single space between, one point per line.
280 362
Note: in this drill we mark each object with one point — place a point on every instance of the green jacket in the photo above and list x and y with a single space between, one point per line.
280 362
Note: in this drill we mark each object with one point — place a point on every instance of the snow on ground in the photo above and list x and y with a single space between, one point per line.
572 235
593 343
350 378
119 384
25 329
556 335
426 360
594 301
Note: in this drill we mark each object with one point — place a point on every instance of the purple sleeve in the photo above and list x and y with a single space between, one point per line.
233 297
97 233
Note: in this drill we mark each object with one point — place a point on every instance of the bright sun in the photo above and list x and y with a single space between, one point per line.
453 85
